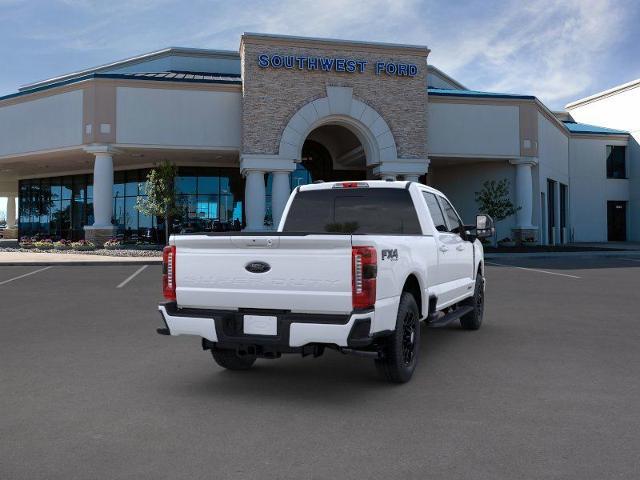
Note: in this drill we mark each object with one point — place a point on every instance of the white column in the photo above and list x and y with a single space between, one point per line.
103 190
253 166
280 190
11 211
254 198
524 193
408 168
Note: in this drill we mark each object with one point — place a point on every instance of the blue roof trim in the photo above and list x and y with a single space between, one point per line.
226 80
444 92
585 128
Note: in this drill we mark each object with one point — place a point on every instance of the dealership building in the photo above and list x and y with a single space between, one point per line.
246 127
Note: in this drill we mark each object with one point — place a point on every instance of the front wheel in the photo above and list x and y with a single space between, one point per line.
400 352
473 319
230 360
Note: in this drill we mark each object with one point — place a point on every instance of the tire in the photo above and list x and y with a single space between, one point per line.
473 319
231 361
401 349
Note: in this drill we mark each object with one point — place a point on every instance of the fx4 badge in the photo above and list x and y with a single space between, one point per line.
390 254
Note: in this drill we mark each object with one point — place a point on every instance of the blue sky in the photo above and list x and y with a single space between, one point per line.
557 50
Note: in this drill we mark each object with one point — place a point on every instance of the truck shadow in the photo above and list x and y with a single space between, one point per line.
333 379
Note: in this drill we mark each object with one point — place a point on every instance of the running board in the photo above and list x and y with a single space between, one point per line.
440 319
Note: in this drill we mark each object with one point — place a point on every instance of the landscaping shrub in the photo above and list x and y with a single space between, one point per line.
83 245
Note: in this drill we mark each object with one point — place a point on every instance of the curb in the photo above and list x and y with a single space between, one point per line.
594 253
88 263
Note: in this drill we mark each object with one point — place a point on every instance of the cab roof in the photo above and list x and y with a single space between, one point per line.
366 184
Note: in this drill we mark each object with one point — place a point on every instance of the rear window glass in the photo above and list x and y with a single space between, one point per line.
353 210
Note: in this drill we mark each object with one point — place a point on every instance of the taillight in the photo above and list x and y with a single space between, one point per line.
169 272
364 262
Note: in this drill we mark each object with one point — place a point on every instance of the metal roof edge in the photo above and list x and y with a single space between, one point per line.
123 76
476 94
598 130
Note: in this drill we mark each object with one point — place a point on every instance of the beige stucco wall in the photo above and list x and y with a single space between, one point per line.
271 96
178 117
467 129
54 121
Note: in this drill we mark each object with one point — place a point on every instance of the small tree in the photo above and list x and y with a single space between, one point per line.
160 200
494 200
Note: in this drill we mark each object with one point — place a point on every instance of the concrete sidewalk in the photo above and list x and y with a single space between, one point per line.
635 254
33 258
616 245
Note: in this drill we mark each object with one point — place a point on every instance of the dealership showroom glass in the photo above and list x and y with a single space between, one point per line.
245 127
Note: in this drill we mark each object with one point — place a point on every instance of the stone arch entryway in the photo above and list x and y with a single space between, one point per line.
339 108
331 153
340 111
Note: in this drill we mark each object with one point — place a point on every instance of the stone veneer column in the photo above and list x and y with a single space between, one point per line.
102 229
524 197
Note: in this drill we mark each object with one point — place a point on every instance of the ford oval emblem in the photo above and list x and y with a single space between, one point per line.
257 267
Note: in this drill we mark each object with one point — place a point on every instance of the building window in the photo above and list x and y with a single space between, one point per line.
616 161
130 224
55 207
210 199
300 176
59 207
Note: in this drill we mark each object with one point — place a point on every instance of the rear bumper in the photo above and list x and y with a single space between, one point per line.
294 330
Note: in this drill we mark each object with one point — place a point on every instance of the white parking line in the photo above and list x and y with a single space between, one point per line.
533 270
25 275
132 276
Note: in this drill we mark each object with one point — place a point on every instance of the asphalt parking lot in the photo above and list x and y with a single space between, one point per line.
548 388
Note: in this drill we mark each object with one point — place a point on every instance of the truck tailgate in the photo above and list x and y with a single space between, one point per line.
306 273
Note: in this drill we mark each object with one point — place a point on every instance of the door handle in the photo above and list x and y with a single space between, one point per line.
443 248
460 248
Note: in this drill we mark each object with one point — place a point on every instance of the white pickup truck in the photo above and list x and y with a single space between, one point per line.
353 266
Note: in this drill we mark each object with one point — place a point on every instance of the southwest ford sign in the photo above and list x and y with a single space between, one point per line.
333 64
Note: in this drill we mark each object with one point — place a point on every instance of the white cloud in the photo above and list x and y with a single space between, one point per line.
545 48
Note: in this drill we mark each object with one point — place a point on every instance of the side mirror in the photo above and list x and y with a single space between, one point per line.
484 226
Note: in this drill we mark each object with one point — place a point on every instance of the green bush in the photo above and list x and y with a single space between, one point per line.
43 244
83 245
62 245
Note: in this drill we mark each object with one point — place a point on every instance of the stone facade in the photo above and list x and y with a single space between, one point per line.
272 96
